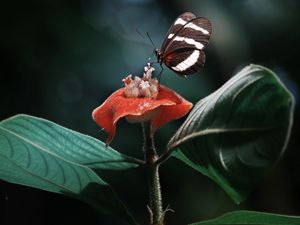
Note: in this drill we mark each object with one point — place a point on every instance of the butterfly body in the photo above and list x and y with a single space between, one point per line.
182 49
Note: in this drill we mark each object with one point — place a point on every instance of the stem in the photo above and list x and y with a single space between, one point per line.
155 201
164 157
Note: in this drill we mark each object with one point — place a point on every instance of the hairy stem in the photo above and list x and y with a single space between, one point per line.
155 201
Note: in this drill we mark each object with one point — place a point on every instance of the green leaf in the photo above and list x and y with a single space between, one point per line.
236 134
252 218
41 154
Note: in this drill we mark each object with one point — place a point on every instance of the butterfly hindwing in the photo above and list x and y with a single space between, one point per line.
193 60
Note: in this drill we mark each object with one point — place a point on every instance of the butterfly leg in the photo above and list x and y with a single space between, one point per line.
160 73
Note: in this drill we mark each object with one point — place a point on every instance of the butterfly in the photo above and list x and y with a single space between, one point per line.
182 49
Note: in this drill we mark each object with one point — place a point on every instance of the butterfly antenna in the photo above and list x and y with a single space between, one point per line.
138 31
148 35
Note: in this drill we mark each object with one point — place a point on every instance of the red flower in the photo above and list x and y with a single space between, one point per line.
141 99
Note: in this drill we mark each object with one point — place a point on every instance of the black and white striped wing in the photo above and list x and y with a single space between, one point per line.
176 26
185 61
192 34
186 43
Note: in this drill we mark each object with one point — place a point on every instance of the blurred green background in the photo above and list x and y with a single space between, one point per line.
61 59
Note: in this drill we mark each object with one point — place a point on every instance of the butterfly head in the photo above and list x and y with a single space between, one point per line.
157 53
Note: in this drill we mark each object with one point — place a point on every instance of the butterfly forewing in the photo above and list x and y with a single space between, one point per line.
176 26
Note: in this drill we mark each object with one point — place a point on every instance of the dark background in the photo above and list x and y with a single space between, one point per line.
61 59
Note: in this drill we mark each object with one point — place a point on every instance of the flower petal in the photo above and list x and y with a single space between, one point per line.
104 115
168 113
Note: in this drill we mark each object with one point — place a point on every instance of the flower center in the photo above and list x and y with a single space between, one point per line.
141 87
